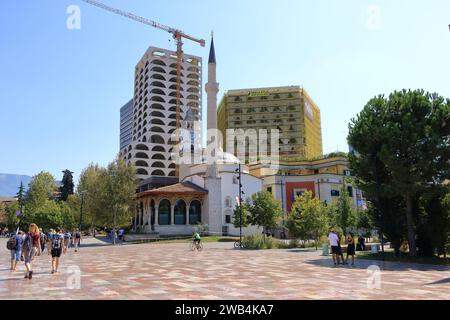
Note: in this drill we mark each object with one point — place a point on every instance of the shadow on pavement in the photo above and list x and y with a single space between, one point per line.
443 281
383 265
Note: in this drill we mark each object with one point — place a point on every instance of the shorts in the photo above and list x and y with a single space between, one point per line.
15 254
56 252
334 249
29 255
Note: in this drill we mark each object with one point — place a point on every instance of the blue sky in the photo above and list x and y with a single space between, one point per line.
61 90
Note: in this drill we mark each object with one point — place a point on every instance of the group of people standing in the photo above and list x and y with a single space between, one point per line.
25 246
336 249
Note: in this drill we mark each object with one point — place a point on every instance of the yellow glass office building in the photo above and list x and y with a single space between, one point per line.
288 109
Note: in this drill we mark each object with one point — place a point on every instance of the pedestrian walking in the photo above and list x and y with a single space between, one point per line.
14 244
67 237
31 248
340 254
351 248
43 239
57 248
77 239
333 239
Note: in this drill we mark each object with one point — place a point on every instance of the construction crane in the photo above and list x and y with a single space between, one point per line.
178 35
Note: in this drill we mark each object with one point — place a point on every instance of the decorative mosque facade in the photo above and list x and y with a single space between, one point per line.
206 192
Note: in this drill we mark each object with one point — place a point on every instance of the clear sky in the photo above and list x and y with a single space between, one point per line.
61 89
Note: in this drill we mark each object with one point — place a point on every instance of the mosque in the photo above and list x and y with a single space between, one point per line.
206 193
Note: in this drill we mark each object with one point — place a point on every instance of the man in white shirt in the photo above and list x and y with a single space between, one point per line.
333 239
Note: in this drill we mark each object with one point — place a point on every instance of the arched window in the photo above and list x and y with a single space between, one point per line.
141 155
141 147
157 114
159 62
158 156
158 77
157 139
158 69
157 129
141 163
142 172
172 174
157 121
157 91
158 173
159 148
164 212
158 164
158 84
157 106
195 212
179 214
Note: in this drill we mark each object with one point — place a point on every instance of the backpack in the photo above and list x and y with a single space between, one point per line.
12 243
56 242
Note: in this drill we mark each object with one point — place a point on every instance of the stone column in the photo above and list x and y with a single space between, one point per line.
156 216
172 214
149 210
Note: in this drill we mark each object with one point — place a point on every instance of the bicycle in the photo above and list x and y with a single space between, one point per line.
238 245
196 246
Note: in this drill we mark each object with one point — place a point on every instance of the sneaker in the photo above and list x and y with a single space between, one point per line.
26 276
53 271
30 275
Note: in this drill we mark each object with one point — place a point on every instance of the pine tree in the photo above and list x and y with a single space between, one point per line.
67 185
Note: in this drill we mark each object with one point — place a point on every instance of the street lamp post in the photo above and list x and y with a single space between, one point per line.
240 203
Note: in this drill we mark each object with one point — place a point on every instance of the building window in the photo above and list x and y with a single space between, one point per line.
164 212
350 191
180 212
335 193
269 189
228 218
228 203
195 212
298 193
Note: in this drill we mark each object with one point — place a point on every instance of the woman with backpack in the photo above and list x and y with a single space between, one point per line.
31 248
14 244
57 248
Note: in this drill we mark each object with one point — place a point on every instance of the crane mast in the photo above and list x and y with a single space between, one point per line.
178 35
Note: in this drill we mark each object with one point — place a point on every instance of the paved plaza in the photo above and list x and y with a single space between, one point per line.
172 271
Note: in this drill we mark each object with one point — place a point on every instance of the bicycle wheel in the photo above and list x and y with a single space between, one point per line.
192 246
237 244
200 247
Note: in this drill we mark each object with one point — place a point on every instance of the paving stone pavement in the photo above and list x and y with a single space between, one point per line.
219 272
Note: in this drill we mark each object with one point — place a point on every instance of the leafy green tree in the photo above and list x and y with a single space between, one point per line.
402 147
345 215
308 218
40 190
120 185
92 186
3 214
12 220
245 215
265 210
68 186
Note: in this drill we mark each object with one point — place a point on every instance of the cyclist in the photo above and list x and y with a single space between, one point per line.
197 239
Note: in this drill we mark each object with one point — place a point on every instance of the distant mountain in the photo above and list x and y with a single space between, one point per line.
10 183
